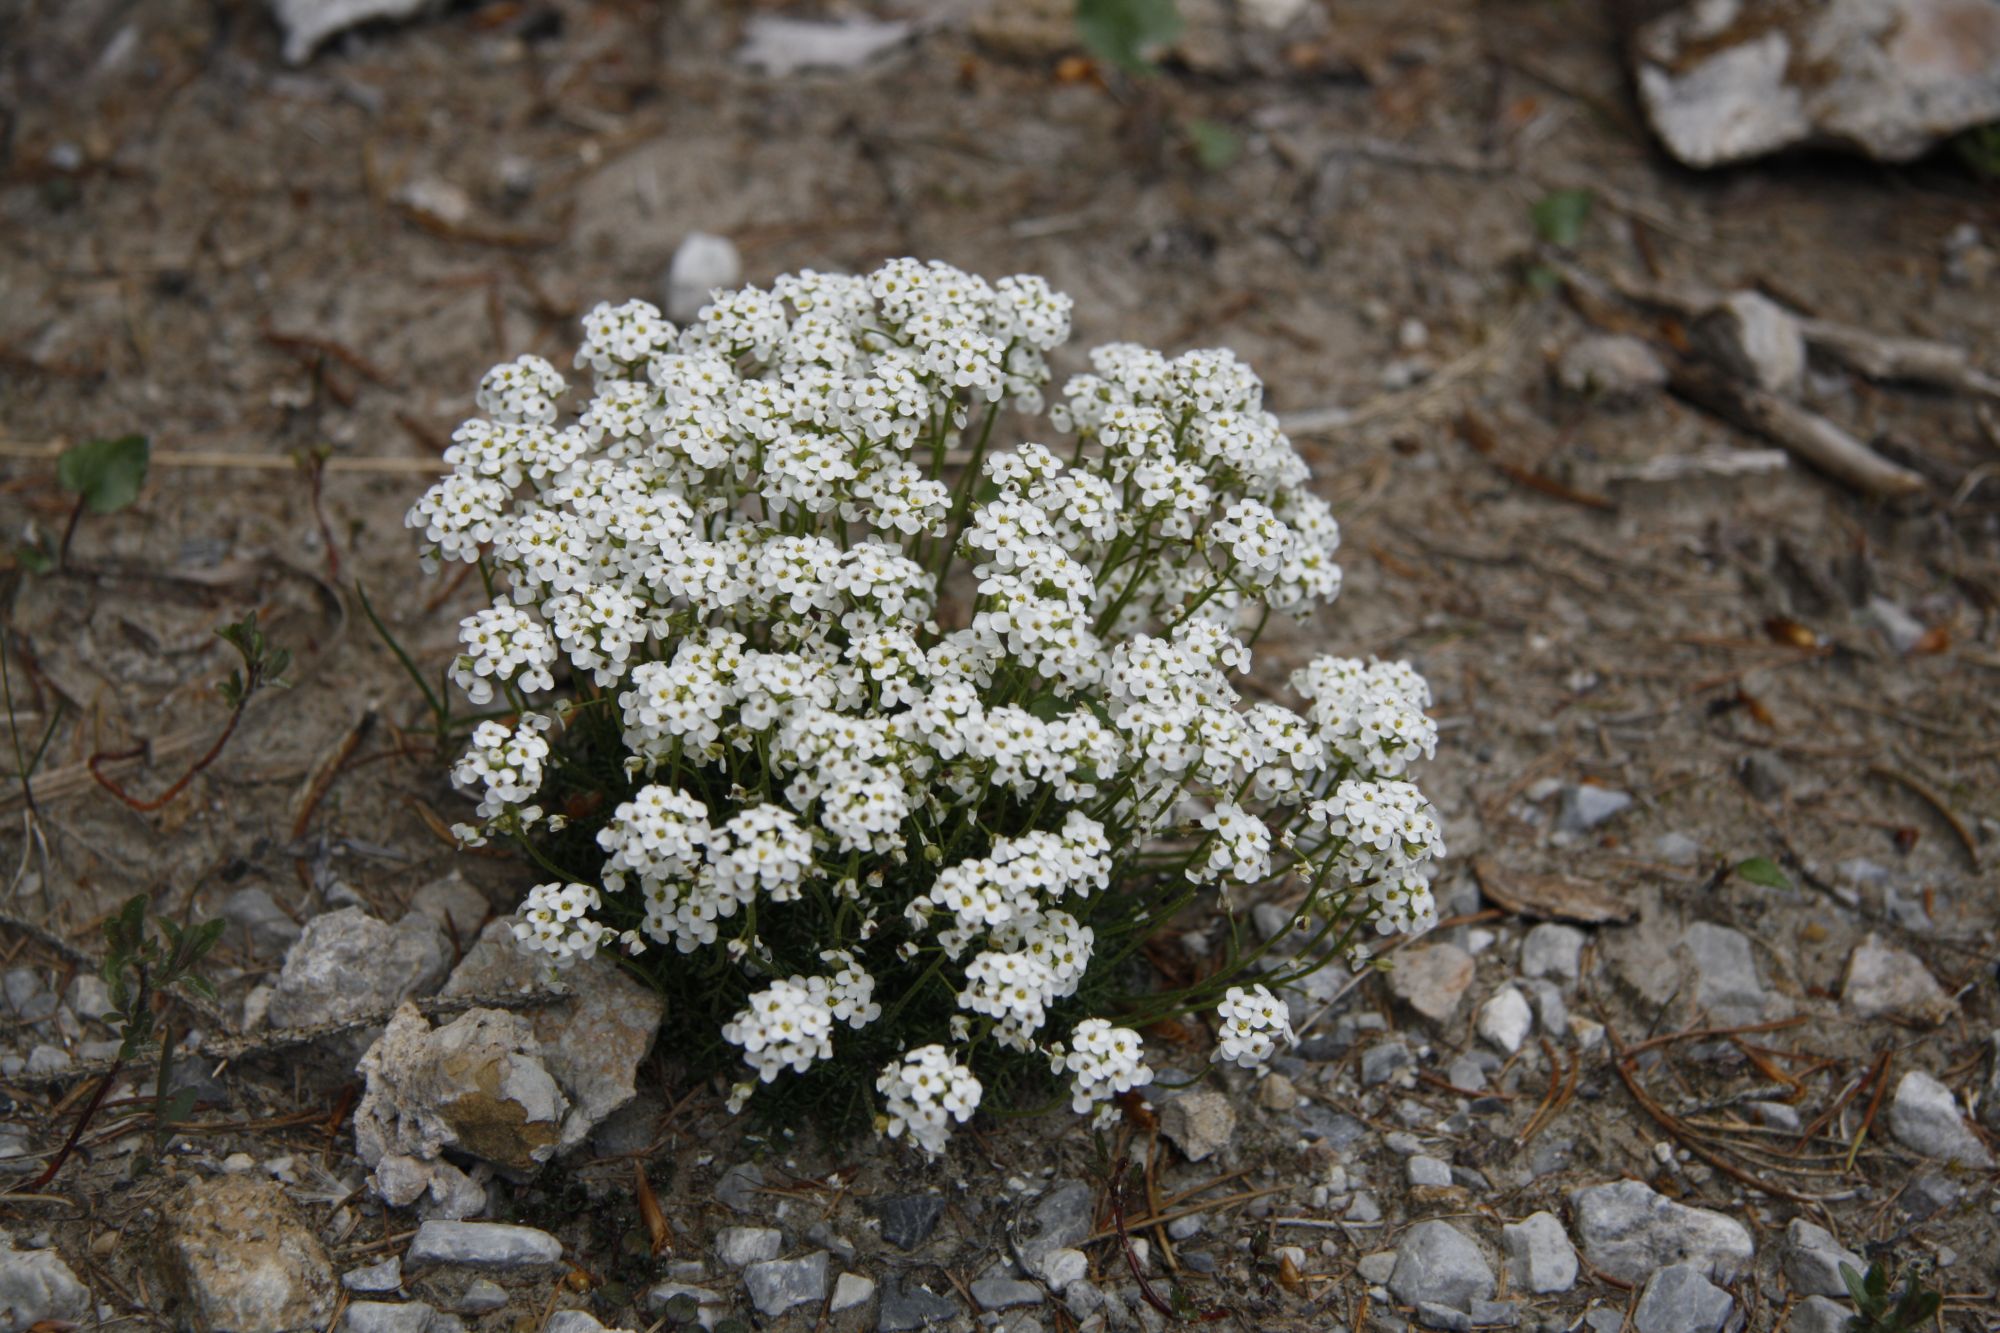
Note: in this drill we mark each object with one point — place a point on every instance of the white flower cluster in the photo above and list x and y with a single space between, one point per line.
827 667
1254 1021
1102 1061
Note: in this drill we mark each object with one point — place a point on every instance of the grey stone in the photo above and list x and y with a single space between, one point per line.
701 264
906 1309
1336 1129
784 46
851 1291
1755 339
1540 1258
1432 980
1628 1230
455 904
259 923
738 1247
826 1238
27 996
308 23
90 997
1680 1299
909 1219
348 965
36 1285
1435 1261
1884 981
1677 849
1383 1061
708 1305
737 1189
1004 1293
1723 82
1775 1115
1363 1208
388 1317
1061 1220
1277 1093
1061 1267
1429 1172
1812 1259
1817 1314
1552 950
1585 807
1768 777
376 1278
1925 1118
576 1321
1930 1194
45 1060
1902 630
495 1246
1434 1314
482 1296
591 1043
776 1285
1505 1019
1375 1268
1726 986
1605 1320
1495 1314
1611 369
1200 1122
247 1260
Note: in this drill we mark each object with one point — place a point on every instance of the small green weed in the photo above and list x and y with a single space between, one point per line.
1909 1311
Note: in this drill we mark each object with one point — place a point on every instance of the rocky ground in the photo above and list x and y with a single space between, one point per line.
1714 1008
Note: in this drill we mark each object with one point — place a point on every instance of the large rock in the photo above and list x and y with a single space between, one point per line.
1726 80
246 1261
1629 1231
592 1041
1438 1263
36 1286
776 1285
348 965
1884 981
307 23
1925 1118
477 1085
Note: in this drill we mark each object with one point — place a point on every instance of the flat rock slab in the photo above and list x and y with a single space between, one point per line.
1727 80
495 1246
1630 1232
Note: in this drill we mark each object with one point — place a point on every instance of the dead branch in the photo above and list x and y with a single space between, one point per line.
1805 434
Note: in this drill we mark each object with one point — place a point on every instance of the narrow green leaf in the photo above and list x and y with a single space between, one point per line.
108 474
1763 870
1857 1287
177 1107
1559 216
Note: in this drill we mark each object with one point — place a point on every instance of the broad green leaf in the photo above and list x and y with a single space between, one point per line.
1122 32
107 474
1559 216
178 1106
1763 870
1857 1287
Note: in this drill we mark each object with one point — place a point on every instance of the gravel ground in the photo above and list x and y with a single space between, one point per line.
1650 668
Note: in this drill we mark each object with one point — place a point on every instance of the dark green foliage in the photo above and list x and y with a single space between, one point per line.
105 475
1881 1313
1121 32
